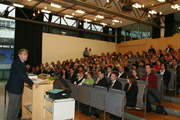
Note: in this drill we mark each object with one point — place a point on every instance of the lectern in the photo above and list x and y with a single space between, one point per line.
33 100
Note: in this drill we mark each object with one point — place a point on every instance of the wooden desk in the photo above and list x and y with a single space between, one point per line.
33 100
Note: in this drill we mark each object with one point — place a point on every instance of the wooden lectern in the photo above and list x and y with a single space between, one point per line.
33 100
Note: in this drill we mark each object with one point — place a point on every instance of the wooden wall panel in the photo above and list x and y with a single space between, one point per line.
144 44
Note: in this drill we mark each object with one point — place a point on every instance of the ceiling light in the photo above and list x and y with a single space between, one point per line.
100 16
136 5
142 6
121 21
160 13
29 0
45 7
161 0
80 11
55 5
104 24
38 11
107 1
34 14
152 12
18 5
149 15
68 16
176 6
112 23
73 13
95 19
87 20
45 11
116 21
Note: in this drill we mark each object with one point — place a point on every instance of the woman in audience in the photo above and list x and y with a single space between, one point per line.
157 66
131 90
89 79
80 79
136 74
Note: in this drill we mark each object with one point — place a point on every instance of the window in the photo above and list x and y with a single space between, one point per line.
55 19
87 26
46 17
68 22
7 32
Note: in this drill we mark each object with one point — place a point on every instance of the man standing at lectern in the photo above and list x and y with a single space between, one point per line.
15 84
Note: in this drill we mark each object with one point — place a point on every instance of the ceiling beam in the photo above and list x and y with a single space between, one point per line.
85 4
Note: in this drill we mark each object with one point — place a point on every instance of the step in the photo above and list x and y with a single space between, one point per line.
151 115
172 99
172 108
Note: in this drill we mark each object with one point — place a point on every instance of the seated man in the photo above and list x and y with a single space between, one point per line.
151 78
122 74
177 68
115 85
101 81
109 71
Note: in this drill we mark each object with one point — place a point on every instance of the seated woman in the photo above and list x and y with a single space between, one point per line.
80 79
89 79
157 66
131 90
136 74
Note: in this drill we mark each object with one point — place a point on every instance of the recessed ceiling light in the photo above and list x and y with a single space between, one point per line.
121 21
68 16
112 23
152 12
80 11
161 0
104 24
100 16
160 13
55 5
18 5
176 6
87 20
29 0
73 13
136 5
45 11
45 7
115 20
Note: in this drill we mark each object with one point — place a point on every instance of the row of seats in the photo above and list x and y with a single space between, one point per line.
111 101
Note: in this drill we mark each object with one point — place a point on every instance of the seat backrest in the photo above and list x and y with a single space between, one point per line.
108 79
84 92
111 104
160 82
141 69
74 90
97 97
123 81
141 92
141 74
171 85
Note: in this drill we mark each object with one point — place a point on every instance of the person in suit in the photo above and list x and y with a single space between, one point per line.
15 84
37 72
101 80
109 71
114 84
169 49
177 68
151 50
122 74
72 75
131 90
166 75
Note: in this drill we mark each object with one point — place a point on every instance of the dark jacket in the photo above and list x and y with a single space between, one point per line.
131 95
166 77
17 78
124 75
103 82
117 85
